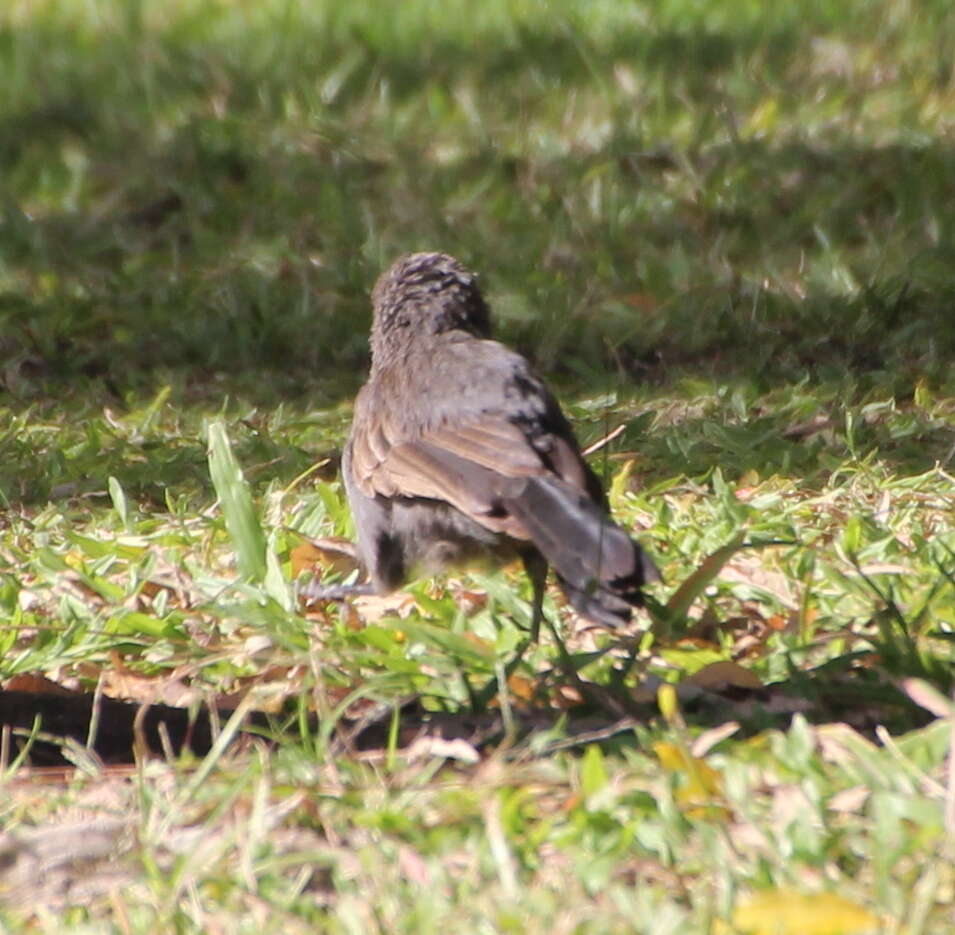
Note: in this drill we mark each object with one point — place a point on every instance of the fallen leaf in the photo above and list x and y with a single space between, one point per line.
699 787
129 686
35 684
777 622
750 568
787 912
457 749
925 696
373 607
521 687
332 553
469 600
718 676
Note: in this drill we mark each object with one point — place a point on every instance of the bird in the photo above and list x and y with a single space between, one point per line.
459 451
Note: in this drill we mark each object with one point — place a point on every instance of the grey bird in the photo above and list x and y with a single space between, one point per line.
459 451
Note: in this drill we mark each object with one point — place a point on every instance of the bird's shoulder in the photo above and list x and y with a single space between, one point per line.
473 397
457 357
454 376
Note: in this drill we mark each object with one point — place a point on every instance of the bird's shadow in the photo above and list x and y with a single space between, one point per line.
48 729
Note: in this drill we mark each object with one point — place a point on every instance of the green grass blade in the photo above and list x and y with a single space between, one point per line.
236 502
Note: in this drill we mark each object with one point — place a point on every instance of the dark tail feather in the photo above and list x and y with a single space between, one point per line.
601 569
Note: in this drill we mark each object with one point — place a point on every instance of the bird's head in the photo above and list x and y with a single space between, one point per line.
426 294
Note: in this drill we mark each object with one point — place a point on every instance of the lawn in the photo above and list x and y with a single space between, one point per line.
724 232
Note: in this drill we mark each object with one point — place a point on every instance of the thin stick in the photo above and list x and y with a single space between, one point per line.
606 440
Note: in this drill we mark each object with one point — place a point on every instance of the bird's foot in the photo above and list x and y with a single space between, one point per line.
315 592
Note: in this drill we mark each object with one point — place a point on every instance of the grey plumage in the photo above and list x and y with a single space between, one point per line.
458 450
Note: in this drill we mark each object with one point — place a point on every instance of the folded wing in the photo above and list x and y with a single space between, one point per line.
531 487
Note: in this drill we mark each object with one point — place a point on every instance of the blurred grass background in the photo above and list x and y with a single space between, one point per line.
202 192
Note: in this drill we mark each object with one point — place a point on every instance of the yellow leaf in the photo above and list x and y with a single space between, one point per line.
74 558
672 758
699 780
786 912
704 782
699 787
667 700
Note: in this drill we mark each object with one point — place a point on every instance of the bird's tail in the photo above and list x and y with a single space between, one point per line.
601 569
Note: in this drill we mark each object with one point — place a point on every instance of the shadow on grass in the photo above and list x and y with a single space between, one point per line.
840 691
214 191
258 284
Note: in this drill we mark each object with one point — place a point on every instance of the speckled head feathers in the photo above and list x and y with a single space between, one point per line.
425 293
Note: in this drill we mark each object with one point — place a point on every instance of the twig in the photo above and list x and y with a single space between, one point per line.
606 440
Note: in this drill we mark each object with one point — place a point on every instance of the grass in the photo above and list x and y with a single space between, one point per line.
726 228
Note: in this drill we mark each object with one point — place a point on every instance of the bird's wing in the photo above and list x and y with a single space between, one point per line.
474 464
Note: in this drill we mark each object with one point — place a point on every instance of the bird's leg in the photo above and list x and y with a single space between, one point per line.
566 663
314 591
536 567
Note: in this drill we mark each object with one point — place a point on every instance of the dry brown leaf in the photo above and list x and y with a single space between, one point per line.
925 696
718 676
521 688
73 582
332 553
567 696
478 642
373 607
836 742
35 684
710 738
178 597
777 622
120 682
353 620
129 686
469 600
